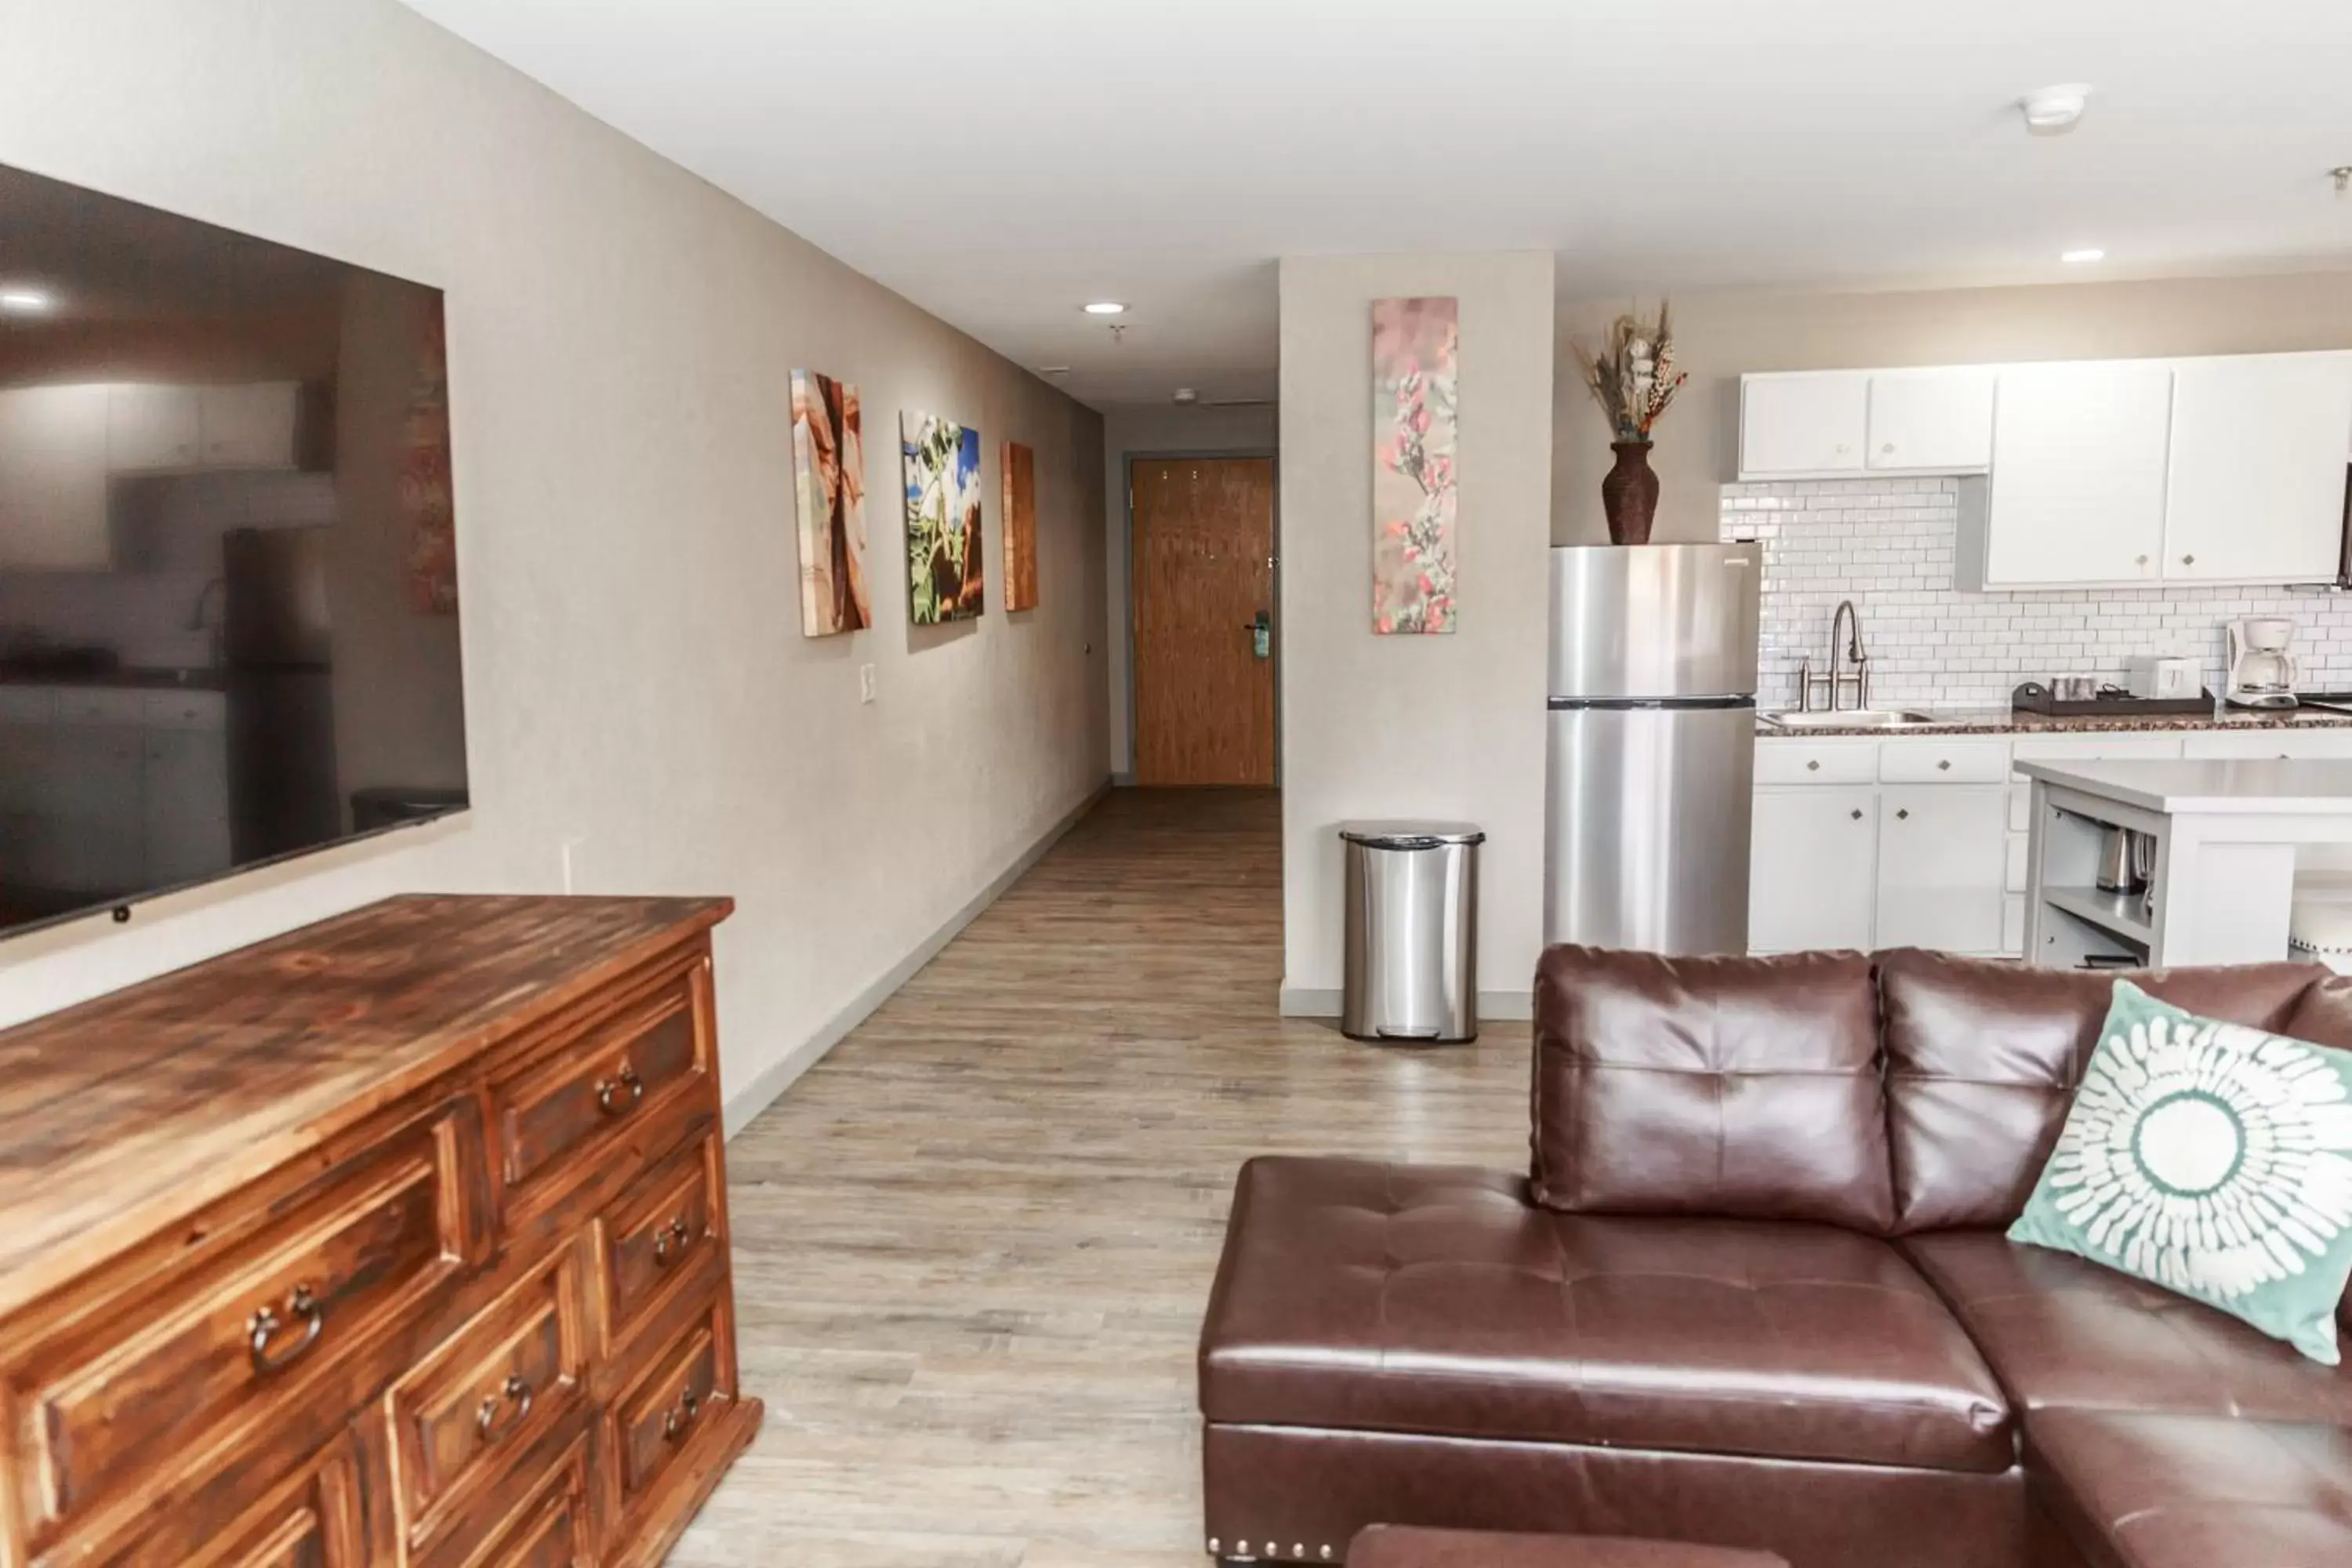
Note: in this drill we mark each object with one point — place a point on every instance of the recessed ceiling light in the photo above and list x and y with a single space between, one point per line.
2054 111
2088 254
24 301
1105 308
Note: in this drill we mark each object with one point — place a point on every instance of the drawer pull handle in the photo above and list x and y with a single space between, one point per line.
1813 766
1904 815
486 1420
609 1091
674 1424
670 1242
266 1325
1858 813
1944 766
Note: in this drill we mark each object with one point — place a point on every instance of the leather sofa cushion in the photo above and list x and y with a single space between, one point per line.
1982 1057
1734 1086
2136 1491
2062 1331
1436 1299
1392 1546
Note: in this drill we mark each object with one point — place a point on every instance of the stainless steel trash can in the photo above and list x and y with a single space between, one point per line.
1412 964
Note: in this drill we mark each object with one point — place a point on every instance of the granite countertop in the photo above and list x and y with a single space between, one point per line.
2003 721
121 680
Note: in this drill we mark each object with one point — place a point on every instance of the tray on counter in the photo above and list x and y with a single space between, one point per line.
2035 697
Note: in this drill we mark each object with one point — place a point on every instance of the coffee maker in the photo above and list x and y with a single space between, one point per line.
2261 671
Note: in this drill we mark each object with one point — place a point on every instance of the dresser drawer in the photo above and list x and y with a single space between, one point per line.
558 1106
310 1521
487 1392
548 1527
679 1393
657 1229
133 1385
1935 759
1832 760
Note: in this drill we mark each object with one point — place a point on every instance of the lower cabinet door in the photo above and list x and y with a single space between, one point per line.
1943 867
1813 869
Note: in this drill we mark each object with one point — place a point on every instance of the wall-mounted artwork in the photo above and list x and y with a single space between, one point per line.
829 460
945 581
425 487
1415 346
1020 466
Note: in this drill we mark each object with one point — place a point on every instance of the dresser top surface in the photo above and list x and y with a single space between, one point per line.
130 1112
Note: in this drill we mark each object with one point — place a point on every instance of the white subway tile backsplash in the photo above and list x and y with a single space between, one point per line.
1890 546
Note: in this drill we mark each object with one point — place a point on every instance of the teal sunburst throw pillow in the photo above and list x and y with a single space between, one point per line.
2212 1160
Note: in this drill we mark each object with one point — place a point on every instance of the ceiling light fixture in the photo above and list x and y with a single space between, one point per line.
2342 176
2089 253
2053 111
1053 369
1186 396
24 301
1105 308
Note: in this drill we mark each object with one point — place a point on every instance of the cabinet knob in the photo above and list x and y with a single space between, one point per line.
1888 447
1945 765
1858 813
1904 815
2188 561
2140 560
1813 766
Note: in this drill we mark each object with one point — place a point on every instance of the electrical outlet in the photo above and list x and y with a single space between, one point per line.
866 683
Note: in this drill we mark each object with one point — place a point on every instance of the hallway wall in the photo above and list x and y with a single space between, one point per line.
1444 726
642 711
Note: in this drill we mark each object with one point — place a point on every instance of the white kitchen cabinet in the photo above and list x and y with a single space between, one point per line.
184 785
248 426
2256 487
1803 423
1938 420
2077 493
53 479
153 426
1942 866
1813 871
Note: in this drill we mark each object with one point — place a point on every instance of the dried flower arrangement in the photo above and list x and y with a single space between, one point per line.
1634 376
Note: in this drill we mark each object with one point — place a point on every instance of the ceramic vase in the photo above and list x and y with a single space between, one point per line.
1629 493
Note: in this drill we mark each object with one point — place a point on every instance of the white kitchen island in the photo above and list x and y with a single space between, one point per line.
2229 835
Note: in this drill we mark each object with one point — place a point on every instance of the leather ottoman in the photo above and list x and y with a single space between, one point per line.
1390 1546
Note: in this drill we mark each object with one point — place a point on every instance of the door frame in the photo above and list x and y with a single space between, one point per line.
1127 461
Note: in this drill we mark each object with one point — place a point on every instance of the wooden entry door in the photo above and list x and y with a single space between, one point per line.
1203 584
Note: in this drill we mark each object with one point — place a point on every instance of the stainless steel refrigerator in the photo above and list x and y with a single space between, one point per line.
1652 747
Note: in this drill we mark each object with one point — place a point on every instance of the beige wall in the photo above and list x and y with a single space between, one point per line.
1436 726
1721 336
1158 431
622 336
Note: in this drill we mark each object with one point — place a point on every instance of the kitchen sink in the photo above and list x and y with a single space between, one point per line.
1850 718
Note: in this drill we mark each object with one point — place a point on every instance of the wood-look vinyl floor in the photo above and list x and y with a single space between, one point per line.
972 1247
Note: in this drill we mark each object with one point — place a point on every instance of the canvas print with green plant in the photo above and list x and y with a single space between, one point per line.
944 577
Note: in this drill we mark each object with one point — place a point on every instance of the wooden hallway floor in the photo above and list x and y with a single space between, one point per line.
972 1247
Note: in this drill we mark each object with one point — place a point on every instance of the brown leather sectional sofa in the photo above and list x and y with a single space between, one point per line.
1756 1293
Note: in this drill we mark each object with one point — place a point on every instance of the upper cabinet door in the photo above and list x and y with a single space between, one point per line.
1939 421
2078 473
248 426
150 426
52 496
2259 449
1802 424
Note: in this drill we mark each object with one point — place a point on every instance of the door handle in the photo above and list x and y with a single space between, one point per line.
1261 631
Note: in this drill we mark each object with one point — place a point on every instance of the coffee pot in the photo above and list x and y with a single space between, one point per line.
2261 671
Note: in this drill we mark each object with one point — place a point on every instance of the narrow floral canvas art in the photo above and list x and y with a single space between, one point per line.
1415 346
944 577
829 460
1020 466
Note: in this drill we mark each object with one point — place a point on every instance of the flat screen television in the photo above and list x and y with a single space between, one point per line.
228 578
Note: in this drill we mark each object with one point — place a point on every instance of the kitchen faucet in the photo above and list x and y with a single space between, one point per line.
1848 646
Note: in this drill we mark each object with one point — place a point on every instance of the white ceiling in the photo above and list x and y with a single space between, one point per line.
1003 162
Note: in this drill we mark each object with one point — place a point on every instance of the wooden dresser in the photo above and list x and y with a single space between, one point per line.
399 1240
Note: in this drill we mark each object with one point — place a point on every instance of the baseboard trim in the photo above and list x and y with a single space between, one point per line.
1314 1002
766 1089
1123 780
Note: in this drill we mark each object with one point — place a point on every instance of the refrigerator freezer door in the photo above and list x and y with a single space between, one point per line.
1647 827
1654 620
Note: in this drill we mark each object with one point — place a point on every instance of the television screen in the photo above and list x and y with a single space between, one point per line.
228 580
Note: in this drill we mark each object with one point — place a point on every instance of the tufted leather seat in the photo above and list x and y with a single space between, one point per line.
2138 1490
1385 1546
1428 1299
2059 1331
